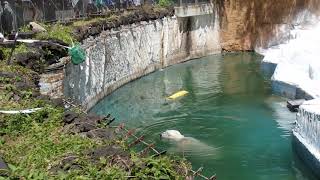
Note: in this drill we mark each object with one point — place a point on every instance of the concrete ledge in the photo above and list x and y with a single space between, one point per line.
305 153
290 91
268 69
193 10
283 89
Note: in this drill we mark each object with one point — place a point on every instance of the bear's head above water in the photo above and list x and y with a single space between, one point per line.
172 134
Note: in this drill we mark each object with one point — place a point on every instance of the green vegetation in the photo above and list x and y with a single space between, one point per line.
57 31
21 48
87 21
18 74
32 142
54 31
165 3
35 144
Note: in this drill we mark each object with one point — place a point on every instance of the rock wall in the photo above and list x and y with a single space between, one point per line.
118 56
248 24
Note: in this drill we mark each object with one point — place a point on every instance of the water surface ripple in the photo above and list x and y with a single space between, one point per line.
238 129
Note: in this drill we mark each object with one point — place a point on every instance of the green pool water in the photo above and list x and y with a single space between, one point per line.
240 130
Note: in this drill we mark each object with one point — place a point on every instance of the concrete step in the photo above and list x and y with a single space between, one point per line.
293 105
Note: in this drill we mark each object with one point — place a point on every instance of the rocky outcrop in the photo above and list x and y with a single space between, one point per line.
116 57
247 24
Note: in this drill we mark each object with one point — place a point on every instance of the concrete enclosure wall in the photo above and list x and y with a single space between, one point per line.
117 57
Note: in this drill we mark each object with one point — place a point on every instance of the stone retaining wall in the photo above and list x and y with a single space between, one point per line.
118 56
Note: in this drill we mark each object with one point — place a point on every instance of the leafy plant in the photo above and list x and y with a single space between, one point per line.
19 49
165 3
57 31
154 168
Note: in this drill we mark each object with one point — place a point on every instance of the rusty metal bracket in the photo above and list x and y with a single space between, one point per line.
145 151
137 141
129 134
119 128
196 173
108 123
214 177
159 154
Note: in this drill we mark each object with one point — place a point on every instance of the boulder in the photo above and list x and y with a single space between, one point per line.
36 27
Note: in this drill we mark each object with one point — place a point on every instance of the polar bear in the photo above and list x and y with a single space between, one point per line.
188 145
172 134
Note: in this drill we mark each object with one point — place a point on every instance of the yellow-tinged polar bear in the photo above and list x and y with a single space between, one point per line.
188 145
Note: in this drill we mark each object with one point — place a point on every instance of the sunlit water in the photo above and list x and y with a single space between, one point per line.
240 130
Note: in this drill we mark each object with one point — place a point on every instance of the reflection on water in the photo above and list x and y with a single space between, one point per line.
238 129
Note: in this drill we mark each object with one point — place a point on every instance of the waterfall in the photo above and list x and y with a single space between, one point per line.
296 61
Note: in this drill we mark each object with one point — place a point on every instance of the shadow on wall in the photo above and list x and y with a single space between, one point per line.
250 23
188 25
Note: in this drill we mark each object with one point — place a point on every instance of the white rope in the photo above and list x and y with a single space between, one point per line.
25 111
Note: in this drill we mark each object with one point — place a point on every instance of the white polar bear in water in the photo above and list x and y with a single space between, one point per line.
188 145
172 134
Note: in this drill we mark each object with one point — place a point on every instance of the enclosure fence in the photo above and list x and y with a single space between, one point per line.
17 13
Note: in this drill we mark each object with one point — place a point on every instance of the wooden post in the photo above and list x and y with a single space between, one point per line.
44 11
14 46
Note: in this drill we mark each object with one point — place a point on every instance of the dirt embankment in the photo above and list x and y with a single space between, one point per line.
246 24
95 25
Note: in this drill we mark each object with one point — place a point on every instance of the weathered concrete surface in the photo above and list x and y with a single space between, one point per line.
117 57
193 10
306 135
51 82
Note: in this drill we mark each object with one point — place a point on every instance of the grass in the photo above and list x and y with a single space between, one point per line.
34 143
7 88
54 31
57 31
21 48
87 21
165 3
65 32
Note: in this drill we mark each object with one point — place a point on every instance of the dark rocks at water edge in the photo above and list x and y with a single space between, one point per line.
91 126
114 153
294 105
